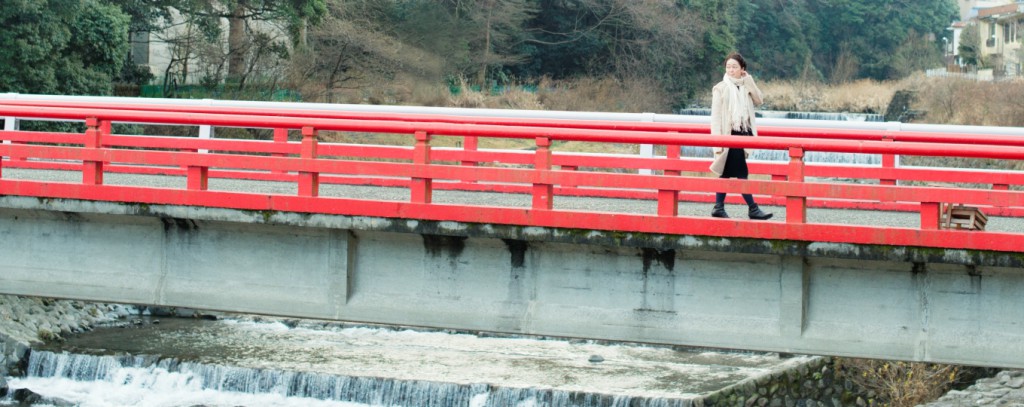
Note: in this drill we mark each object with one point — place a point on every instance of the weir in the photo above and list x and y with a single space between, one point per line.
126 377
809 117
172 375
240 362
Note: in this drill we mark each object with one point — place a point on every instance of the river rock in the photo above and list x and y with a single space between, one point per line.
3 387
27 397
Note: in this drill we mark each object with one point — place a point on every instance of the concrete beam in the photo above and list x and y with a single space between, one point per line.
892 303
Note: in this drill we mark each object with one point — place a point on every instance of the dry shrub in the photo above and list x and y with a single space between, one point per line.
863 96
970 102
517 97
900 384
512 96
467 97
428 94
607 94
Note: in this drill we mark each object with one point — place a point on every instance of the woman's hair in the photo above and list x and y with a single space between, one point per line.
738 58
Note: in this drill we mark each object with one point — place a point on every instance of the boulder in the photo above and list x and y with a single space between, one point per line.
27 397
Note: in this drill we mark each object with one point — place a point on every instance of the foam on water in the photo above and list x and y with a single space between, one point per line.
156 388
255 363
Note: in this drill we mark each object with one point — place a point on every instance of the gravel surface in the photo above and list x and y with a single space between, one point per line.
833 216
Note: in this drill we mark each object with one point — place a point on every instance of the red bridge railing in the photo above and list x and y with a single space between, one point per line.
888 173
541 173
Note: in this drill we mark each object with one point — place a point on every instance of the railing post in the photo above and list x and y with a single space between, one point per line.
8 126
11 124
309 181
888 161
206 133
198 177
930 215
646 150
673 152
469 145
280 138
421 189
542 162
668 200
796 206
1001 187
92 171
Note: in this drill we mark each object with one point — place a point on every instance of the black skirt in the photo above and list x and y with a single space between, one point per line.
736 161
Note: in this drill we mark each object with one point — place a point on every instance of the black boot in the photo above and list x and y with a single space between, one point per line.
719 211
757 214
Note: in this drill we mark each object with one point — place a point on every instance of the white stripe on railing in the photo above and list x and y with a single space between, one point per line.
539 114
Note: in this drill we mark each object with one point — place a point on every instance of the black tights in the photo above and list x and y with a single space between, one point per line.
720 197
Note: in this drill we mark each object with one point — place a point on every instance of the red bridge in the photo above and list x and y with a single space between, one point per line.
543 240
544 173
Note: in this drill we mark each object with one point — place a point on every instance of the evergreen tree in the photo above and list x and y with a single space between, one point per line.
970 46
61 46
776 37
862 36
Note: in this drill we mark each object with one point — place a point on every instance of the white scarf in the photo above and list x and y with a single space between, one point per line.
741 108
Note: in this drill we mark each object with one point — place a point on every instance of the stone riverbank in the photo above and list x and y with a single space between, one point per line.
28 321
1005 389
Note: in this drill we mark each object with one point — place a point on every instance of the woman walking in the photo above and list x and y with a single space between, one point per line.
732 113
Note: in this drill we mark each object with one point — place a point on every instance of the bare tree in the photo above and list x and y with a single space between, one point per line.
656 40
498 28
351 50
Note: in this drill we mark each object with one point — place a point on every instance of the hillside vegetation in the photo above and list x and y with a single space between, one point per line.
403 51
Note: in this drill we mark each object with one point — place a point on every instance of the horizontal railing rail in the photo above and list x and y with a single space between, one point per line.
768 130
418 167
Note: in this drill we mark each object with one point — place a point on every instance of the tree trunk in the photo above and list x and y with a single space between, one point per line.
236 43
482 74
303 33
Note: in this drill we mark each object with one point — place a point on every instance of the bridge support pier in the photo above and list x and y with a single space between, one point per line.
793 297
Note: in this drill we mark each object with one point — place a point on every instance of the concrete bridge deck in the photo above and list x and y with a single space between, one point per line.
937 305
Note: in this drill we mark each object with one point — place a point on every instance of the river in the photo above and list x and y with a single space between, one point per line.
263 362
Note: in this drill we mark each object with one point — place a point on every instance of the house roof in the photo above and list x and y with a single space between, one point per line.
1000 11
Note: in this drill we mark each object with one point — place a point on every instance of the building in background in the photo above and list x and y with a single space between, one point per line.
1001 30
1001 33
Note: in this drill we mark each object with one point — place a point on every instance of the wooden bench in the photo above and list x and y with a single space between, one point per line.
955 216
